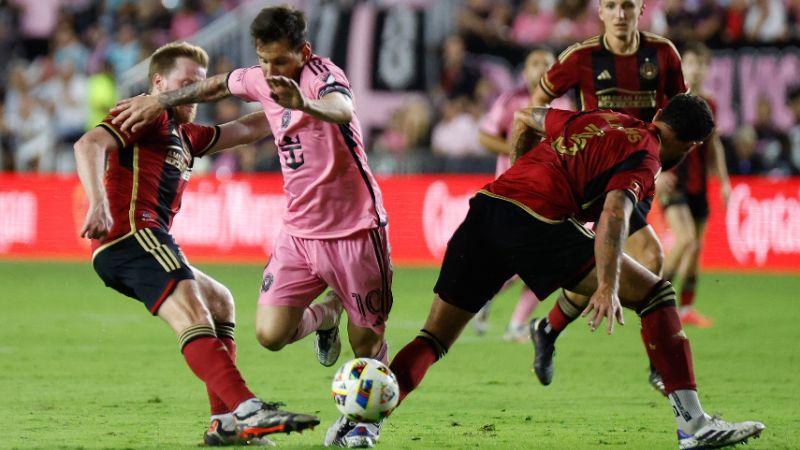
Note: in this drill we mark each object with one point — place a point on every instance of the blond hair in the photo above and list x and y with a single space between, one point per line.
163 60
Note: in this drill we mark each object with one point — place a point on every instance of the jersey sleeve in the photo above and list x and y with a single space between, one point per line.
243 83
492 122
325 78
126 138
638 180
674 81
562 76
200 137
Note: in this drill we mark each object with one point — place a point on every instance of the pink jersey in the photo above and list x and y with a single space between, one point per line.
330 191
500 118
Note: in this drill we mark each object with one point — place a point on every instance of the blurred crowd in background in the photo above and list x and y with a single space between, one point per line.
62 60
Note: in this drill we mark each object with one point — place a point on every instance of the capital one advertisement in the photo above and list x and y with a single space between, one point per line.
235 220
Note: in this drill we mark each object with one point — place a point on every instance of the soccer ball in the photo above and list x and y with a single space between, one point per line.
365 390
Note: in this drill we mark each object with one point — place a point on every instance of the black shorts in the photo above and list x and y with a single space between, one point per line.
697 203
498 240
639 214
146 266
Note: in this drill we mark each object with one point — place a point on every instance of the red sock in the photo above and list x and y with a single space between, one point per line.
687 291
411 364
209 359
216 403
668 348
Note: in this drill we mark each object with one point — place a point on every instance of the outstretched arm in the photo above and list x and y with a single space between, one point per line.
528 130
244 130
90 157
612 231
135 112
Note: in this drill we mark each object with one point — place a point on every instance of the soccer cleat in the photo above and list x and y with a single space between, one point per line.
347 434
517 333
218 436
656 381
694 318
268 419
328 344
719 433
544 346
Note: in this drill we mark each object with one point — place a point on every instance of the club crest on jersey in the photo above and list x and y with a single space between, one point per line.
266 283
648 70
286 118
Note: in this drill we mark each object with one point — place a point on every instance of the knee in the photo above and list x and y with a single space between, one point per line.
270 340
221 304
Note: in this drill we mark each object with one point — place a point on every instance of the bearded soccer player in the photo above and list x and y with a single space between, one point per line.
495 135
591 166
628 71
134 182
683 193
334 228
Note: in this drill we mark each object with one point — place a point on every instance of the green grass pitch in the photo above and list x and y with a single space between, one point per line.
84 367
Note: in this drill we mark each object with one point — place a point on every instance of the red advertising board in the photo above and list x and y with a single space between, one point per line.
236 219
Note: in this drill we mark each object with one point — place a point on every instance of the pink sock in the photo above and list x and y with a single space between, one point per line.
313 316
525 305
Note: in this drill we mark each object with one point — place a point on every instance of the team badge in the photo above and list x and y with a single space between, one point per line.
266 283
648 70
286 118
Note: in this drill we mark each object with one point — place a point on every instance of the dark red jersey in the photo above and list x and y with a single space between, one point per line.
584 156
145 177
692 172
636 84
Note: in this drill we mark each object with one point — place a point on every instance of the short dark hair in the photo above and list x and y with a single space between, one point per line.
697 48
280 22
689 117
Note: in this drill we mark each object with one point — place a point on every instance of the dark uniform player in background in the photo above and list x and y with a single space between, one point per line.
626 70
590 167
683 193
134 183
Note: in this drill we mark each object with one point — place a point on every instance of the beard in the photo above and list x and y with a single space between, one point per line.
185 114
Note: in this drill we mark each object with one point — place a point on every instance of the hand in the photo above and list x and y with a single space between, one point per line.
98 222
136 112
286 92
604 304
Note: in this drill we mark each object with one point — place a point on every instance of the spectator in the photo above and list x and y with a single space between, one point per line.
101 94
68 49
575 21
766 21
33 137
707 23
37 22
770 142
125 51
456 134
406 129
744 160
65 94
533 24
679 21
459 75
186 22
735 14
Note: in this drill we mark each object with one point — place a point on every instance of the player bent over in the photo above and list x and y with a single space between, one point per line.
591 166
134 183
334 229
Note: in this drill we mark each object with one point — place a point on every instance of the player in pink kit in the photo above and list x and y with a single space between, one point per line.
334 226
495 135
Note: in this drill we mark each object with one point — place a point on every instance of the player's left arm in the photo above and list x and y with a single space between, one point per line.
528 130
612 231
332 107
718 152
244 130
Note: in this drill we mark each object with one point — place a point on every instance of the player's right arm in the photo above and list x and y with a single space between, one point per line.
133 113
90 156
528 130
244 130
612 231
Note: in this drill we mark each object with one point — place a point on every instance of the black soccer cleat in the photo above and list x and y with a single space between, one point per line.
544 346
269 419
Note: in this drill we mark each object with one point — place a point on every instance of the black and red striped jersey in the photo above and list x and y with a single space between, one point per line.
146 175
637 84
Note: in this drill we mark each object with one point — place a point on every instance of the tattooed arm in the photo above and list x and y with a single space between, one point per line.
528 130
133 113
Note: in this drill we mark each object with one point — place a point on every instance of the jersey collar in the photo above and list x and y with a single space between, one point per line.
637 38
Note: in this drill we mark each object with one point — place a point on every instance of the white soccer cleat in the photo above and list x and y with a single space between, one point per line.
347 434
719 433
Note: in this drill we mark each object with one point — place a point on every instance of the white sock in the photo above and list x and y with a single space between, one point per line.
248 407
226 420
688 413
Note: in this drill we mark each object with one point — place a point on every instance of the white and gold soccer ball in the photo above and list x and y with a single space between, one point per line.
365 390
